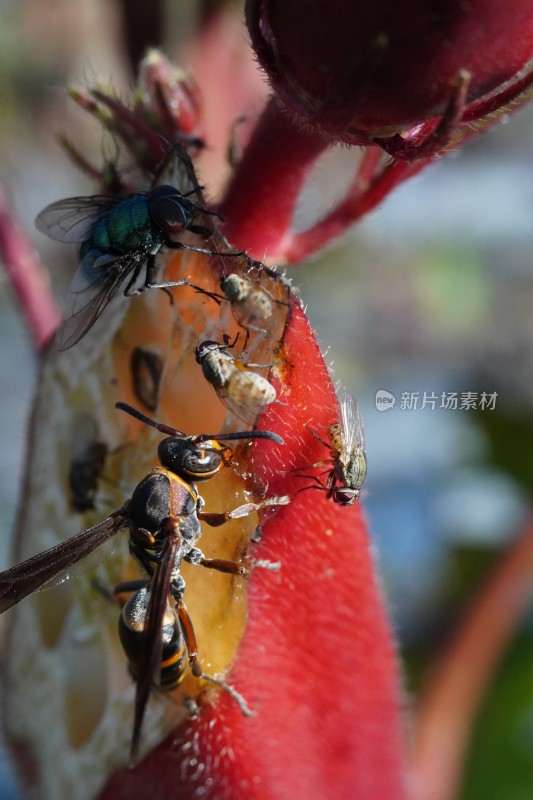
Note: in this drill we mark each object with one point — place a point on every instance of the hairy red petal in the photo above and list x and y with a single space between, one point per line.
381 67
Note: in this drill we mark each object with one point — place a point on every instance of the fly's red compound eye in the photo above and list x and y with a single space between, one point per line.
169 210
344 496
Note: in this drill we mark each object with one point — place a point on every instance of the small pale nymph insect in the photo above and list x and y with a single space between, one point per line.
251 304
244 392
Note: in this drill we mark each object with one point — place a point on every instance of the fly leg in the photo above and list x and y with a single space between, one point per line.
317 437
129 291
192 649
180 246
165 285
185 282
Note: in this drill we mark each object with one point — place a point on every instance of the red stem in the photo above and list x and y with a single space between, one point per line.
363 196
260 201
28 277
509 95
444 719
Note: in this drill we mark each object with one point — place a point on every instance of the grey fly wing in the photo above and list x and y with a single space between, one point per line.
353 432
90 292
73 219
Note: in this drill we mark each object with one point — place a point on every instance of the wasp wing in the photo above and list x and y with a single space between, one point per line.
150 660
29 576
73 219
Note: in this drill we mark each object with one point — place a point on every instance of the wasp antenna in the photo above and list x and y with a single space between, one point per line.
159 426
202 437
273 437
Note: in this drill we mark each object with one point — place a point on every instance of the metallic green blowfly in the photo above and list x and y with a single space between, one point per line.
118 235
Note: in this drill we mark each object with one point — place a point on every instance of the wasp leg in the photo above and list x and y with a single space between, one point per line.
196 557
189 635
239 699
192 649
265 563
243 567
141 542
229 567
126 587
214 519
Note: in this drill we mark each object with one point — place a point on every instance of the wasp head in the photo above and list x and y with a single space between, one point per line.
191 460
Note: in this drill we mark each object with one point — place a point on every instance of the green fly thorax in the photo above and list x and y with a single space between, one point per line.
126 227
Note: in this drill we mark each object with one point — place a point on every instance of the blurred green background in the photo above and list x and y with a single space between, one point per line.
431 294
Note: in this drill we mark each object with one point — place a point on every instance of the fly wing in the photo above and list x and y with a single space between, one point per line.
150 660
92 288
247 396
353 432
24 579
73 219
246 414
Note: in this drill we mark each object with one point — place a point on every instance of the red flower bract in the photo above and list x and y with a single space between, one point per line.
358 68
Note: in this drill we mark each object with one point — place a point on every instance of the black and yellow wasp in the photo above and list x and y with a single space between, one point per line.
163 516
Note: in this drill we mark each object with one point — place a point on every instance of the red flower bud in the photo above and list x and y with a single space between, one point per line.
360 71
